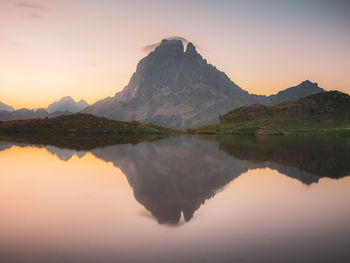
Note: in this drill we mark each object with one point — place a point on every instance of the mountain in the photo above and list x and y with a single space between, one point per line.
325 112
64 106
302 90
5 107
177 88
23 114
67 104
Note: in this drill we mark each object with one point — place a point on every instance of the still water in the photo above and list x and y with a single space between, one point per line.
180 199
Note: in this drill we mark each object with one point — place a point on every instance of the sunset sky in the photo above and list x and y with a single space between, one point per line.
89 48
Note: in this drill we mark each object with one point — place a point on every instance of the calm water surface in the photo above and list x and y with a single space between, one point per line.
182 199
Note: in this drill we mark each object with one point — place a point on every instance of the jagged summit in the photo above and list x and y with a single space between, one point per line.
176 87
170 48
191 48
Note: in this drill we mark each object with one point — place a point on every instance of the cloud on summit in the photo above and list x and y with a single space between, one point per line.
148 48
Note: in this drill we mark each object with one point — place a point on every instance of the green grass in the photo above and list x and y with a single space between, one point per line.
80 124
266 125
323 113
80 132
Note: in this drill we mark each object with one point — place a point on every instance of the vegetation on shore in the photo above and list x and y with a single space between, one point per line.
79 143
79 124
323 113
80 131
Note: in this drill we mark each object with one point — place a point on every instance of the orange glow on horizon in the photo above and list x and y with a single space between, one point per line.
53 49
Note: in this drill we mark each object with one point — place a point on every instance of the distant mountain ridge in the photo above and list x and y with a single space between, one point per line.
5 107
177 88
302 90
64 106
23 114
67 104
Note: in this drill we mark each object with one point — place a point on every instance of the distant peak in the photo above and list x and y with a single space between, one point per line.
67 104
307 82
66 98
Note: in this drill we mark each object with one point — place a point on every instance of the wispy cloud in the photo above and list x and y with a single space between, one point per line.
34 15
28 5
151 47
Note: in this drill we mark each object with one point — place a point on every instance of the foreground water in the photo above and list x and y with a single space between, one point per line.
182 199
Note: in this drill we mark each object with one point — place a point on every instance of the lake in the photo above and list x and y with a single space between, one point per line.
178 199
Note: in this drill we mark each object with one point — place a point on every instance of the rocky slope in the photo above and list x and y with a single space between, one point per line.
177 88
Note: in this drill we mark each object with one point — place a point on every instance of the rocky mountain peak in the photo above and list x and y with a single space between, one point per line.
169 49
308 84
177 88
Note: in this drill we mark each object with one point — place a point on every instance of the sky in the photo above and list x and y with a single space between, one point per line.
88 49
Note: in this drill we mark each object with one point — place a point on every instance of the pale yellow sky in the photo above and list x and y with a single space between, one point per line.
88 49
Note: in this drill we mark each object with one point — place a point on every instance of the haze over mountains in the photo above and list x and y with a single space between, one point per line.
177 88
64 106
6 107
67 104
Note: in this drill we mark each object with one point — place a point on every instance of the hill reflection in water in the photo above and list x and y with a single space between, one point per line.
175 176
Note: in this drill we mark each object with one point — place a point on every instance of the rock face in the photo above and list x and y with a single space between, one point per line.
177 88
173 88
67 104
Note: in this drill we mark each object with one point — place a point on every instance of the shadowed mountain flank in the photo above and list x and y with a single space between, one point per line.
176 87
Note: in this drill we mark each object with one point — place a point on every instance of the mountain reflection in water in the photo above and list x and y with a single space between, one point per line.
175 176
